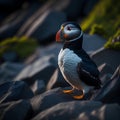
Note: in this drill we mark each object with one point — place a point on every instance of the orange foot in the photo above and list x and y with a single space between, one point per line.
68 91
78 96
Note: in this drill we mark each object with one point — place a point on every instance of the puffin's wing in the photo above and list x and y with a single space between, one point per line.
89 74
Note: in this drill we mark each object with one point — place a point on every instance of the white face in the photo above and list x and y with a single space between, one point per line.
71 32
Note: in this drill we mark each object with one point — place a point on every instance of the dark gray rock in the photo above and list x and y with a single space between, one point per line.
92 43
45 26
56 80
105 69
88 6
38 87
109 93
18 110
48 50
9 70
106 72
80 110
74 9
10 56
41 69
14 90
13 22
108 56
49 99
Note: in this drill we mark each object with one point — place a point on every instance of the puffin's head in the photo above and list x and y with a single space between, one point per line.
68 32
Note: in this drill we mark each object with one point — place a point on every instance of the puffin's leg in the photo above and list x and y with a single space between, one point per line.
68 91
79 96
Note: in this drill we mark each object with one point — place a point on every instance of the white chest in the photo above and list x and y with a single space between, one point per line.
68 61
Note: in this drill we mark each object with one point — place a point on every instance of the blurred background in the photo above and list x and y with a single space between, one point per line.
28 24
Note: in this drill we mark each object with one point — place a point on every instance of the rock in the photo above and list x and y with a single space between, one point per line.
105 72
105 69
10 4
108 56
80 110
49 99
9 70
109 93
17 110
14 90
41 69
48 50
92 43
45 26
74 9
10 56
13 22
38 87
88 6
56 80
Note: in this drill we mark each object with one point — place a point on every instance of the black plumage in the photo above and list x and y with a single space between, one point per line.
87 69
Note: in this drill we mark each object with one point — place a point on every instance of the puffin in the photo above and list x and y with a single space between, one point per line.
76 66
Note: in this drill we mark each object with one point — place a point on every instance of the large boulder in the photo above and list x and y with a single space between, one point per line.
80 110
45 26
17 110
11 91
74 9
108 56
92 43
49 50
48 99
9 70
109 93
41 69
12 23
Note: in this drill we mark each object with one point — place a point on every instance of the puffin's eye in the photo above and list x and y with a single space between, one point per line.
68 28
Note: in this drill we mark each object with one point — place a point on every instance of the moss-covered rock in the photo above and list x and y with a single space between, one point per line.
98 29
23 46
114 42
105 14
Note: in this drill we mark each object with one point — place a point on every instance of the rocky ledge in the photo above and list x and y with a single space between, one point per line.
33 90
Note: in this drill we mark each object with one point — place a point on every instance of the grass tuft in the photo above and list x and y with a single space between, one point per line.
23 46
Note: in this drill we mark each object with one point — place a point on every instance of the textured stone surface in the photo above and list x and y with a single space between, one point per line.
40 69
9 70
49 99
80 110
38 87
47 25
111 57
14 90
109 93
92 43
18 110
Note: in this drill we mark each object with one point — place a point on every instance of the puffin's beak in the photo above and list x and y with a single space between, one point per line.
58 39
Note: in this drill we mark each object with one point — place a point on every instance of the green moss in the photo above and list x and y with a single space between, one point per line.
23 46
113 44
98 29
106 14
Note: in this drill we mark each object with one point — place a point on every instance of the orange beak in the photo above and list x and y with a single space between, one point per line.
58 39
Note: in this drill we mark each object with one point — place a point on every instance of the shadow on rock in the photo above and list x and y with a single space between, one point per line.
109 93
80 110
